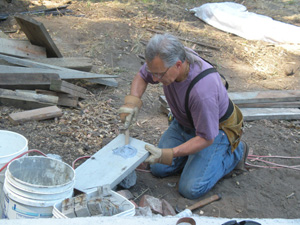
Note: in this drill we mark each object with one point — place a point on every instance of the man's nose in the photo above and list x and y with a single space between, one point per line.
155 79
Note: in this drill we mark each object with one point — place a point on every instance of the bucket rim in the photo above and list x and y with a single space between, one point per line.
8 173
18 152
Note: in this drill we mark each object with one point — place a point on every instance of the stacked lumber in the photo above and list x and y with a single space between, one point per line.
34 74
275 104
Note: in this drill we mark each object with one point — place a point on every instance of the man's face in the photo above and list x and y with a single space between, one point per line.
160 73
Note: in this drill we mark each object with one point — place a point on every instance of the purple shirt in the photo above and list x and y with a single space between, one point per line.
208 100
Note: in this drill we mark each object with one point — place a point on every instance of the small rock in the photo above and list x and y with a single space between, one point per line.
126 194
154 203
168 210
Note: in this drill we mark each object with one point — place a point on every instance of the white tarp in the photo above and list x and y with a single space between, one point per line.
234 18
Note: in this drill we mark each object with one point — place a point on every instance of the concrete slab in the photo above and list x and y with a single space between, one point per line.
106 167
142 220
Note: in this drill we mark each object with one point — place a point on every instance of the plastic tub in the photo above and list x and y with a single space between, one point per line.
128 208
34 184
11 145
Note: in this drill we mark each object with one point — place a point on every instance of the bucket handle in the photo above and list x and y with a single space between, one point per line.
82 157
24 153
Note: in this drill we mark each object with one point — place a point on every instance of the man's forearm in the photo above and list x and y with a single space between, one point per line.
192 146
138 86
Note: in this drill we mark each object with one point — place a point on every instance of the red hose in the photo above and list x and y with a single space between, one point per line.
24 153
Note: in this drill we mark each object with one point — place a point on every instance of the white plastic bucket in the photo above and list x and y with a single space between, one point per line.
34 184
11 145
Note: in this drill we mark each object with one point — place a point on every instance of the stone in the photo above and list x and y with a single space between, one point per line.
67 208
80 206
126 194
154 203
168 210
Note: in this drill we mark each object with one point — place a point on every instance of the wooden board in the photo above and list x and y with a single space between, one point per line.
38 35
251 114
111 82
75 63
264 96
63 99
35 114
64 73
26 100
105 167
21 49
270 113
72 89
292 104
27 80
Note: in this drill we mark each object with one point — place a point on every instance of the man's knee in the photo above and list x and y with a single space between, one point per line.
158 170
193 191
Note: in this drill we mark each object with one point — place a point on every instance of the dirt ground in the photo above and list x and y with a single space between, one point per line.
112 34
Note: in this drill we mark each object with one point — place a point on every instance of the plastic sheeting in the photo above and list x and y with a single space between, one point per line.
234 18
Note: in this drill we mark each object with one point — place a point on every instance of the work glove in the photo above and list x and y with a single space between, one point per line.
157 155
129 111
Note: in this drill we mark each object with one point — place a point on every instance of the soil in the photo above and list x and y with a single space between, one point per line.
112 34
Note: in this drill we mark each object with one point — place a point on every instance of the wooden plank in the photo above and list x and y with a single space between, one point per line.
106 167
35 114
111 82
26 100
64 73
295 104
63 98
27 80
260 102
265 96
72 89
3 35
21 49
254 113
75 63
270 113
67 100
38 35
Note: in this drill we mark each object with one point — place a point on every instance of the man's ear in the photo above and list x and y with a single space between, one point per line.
178 64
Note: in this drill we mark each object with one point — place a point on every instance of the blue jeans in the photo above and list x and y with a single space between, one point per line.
202 170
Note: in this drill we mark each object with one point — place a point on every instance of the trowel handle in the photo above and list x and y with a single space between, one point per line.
204 202
127 137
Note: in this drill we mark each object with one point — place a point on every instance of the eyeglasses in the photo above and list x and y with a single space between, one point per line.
157 75
244 222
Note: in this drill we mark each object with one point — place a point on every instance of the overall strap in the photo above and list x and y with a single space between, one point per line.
187 95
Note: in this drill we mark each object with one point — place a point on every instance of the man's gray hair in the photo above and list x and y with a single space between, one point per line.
169 49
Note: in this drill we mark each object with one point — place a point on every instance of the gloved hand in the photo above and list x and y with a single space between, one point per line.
157 155
129 111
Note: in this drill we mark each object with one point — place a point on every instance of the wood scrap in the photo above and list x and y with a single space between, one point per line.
63 98
38 35
288 100
270 113
111 82
3 35
75 63
26 100
53 11
292 104
63 86
35 114
21 48
265 96
64 73
27 80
